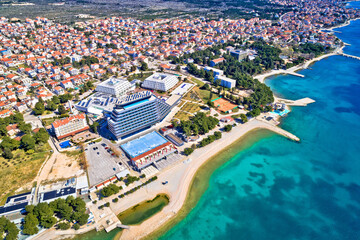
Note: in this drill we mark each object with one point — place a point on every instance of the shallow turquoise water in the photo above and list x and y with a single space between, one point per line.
279 189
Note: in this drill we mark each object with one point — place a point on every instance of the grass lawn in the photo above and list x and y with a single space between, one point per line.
138 76
20 170
191 107
198 95
198 82
48 121
205 95
182 116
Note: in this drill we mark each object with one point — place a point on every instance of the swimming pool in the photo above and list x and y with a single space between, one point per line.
65 144
281 113
135 103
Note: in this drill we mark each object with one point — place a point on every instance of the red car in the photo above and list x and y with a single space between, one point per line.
107 148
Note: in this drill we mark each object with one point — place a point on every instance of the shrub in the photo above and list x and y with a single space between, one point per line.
188 151
76 226
64 225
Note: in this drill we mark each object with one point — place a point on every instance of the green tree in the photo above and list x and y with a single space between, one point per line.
28 142
25 128
188 151
30 224
217 134
9 228
61 109
9 143
44 214
3 131
228 128
41 136
144 66
39 108
243 118
268 108
55 100
76 226
51 106
63 226
7 154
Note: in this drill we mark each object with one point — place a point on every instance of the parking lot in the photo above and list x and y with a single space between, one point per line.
102 164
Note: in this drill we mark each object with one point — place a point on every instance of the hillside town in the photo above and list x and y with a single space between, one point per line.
112 103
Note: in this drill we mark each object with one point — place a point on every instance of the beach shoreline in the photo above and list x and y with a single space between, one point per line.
181 177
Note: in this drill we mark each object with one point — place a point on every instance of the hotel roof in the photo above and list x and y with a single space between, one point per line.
143 145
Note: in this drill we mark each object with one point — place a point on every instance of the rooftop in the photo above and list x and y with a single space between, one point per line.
143 144
159 77
65 121
112 82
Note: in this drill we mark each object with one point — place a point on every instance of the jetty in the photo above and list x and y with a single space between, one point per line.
349 56
278 130
296 74
300 102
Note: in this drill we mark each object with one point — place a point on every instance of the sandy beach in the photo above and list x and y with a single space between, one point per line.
180 177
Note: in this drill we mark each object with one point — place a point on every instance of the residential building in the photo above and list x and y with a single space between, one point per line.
216 61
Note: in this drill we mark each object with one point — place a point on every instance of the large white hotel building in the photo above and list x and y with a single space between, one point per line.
135 113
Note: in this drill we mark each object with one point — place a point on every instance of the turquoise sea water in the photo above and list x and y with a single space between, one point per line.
278 189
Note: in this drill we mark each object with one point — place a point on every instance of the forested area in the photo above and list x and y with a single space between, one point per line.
28 141
308 48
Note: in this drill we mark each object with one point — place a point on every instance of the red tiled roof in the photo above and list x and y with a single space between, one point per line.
151 151
65 121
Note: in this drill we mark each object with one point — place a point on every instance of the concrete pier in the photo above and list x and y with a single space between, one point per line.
296 74
350 56
300 102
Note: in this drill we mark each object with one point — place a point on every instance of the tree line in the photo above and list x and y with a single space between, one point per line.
60 211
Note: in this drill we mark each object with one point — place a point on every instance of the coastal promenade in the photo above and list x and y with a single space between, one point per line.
180 177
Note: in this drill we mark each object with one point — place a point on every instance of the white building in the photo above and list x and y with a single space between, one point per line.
160 81
69 126
114 86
